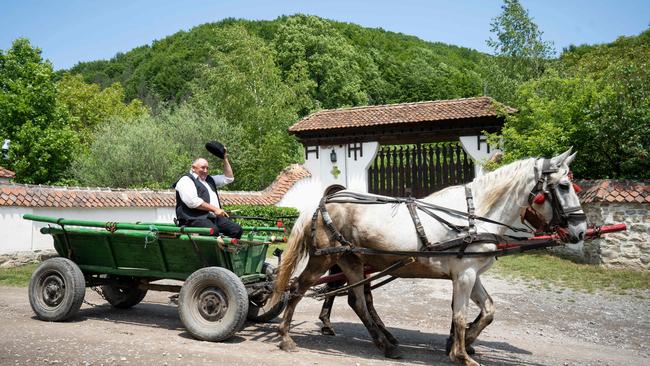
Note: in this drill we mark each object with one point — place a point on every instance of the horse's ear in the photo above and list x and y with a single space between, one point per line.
557 161
570 159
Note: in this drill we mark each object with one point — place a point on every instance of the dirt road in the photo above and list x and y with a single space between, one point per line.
532 327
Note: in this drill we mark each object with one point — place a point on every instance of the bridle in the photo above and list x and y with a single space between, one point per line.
544 190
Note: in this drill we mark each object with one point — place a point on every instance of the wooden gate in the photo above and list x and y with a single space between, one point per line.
419 170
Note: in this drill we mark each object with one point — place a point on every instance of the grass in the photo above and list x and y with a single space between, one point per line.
552 271
17 276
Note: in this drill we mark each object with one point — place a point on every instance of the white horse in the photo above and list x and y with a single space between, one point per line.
501 195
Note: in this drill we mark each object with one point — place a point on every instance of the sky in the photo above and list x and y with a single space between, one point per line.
74 31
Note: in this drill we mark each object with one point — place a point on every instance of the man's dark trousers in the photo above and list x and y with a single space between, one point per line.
221 225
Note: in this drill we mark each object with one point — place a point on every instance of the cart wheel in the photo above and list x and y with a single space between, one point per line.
124 295
56 289
213 304
259 310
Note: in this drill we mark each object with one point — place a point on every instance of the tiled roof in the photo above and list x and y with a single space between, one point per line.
6 173
614 191
272 194
26 195
399 113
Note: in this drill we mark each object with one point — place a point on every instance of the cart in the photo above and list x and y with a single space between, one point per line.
226 281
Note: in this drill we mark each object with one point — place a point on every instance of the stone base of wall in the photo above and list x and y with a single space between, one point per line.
16 259
626 249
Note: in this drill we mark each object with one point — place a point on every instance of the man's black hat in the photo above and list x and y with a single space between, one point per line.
216 148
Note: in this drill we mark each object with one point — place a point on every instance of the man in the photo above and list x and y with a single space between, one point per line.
197 200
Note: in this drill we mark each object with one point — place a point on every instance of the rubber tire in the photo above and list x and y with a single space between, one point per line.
124 297
261 315
68 280
234 293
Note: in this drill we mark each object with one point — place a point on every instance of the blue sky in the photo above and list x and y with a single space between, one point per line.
72 31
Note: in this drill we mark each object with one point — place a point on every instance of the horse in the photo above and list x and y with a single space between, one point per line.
501 196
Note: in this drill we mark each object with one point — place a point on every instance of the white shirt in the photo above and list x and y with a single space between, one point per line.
187 190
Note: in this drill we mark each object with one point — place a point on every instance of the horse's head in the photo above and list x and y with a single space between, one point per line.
554 197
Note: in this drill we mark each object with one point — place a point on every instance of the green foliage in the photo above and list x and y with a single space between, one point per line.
327 64
598 102
541 266
42 141
243 87
151 151
288 215
521 53
17 276
89 106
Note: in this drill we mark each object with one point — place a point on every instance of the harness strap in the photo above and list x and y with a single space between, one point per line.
419 229
327 220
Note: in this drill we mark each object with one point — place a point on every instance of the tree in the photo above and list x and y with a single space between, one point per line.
335 66
152 151
243 86
42 141
520 53
89 106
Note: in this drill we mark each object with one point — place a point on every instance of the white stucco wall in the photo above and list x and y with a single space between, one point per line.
305 194
18 234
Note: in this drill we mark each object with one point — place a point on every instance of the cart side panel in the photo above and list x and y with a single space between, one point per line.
86 249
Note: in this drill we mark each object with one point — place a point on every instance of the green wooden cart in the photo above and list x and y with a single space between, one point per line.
226 281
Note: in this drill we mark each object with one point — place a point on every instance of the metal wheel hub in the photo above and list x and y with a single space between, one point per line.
213 304
53 290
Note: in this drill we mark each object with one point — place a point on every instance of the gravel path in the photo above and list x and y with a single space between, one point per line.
532 327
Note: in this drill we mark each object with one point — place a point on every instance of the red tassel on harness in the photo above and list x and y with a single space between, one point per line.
539 198
577 188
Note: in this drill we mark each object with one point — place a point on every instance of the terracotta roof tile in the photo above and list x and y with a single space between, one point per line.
614 191
6 173
399 113
25 195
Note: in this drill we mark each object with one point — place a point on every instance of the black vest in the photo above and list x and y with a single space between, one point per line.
183 211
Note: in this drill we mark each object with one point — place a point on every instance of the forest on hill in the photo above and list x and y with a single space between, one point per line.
138 119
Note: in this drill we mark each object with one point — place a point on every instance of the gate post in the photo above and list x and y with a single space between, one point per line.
479 150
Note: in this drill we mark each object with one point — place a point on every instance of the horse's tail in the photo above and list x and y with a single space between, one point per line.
297 250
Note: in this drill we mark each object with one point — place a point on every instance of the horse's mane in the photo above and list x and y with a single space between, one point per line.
491 187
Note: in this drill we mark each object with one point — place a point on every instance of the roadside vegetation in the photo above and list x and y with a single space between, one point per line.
542 269
17 276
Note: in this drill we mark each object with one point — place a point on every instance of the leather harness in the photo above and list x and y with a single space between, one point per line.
467 234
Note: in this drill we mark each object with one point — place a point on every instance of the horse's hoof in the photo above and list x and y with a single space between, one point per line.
393 353
328 331
469 349
288 346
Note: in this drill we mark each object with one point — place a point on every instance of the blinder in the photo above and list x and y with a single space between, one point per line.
544 190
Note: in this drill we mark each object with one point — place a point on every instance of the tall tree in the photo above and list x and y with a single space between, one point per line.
520 52
42 140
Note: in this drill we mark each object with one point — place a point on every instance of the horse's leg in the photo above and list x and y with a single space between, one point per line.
326 310
485 303
315 268
325 313
371 308
353 269
463 283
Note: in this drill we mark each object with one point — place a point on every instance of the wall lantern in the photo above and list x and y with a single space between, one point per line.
5 149
333 156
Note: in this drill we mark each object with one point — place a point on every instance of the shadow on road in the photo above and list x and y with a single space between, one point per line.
417 347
